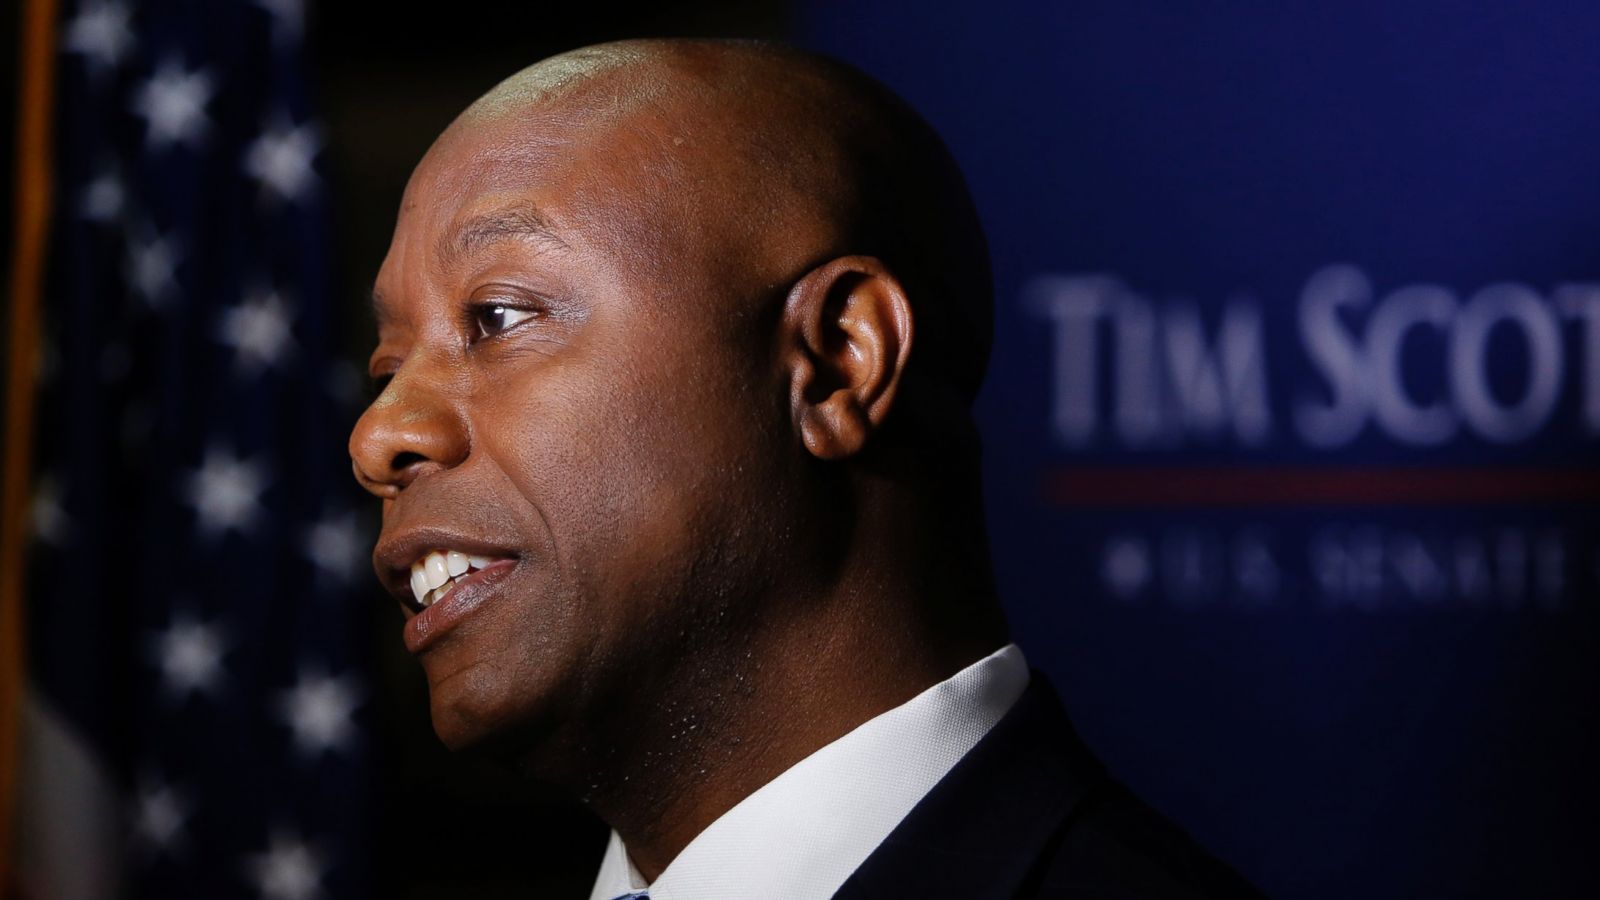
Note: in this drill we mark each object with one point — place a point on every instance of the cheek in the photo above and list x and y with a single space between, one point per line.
569 446
636 463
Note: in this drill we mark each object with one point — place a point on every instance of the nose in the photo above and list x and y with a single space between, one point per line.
410 430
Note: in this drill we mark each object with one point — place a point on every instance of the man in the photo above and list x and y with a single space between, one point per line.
678 342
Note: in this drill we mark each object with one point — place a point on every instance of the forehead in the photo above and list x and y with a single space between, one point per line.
536 182
543 172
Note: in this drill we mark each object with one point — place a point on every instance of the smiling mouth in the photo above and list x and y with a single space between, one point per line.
435 575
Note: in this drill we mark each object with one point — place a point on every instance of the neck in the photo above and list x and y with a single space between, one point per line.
785 719
904 610
792 698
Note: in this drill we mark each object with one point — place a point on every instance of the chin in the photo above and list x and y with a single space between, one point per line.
475 714
459 730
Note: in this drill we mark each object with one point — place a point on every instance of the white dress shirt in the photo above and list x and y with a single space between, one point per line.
800 835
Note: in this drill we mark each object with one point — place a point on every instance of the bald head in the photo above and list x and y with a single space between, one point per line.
761 161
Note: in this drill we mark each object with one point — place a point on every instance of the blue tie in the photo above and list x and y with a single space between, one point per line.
636 895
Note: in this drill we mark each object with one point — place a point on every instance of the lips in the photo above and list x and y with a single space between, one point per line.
440 577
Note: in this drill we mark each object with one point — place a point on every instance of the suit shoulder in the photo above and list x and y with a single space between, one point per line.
1115 847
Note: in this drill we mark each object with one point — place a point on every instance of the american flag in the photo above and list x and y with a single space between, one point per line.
197 580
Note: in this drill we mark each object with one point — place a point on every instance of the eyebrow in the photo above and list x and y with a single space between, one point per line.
520 222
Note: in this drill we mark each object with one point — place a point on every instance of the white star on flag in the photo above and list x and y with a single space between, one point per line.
189 654
226 493
49 520
258 332
101 34
103 199
288 18
281 159
336 546
173 104
159 813
319 712
153 269
290 870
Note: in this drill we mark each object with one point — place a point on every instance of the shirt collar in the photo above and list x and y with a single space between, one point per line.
800 835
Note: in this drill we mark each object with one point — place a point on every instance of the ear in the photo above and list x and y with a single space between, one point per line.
846 327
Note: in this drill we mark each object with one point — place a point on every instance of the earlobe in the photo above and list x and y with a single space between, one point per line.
848 328
834 430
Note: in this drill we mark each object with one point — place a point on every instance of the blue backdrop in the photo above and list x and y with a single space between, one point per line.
1292 420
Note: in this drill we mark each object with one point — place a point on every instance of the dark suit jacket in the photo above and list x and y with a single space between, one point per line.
1029 813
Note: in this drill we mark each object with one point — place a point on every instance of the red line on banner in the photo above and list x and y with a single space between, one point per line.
1284 486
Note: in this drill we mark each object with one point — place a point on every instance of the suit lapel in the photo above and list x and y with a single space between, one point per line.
978 832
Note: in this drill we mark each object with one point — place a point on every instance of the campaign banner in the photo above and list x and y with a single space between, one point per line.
1292 423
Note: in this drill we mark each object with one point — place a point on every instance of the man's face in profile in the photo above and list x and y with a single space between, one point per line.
569 399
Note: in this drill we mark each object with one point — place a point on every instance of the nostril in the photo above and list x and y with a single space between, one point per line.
378 487
405 460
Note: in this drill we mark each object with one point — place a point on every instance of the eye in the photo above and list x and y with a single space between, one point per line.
490 319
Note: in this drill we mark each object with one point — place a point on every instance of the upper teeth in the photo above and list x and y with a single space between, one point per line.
433 575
